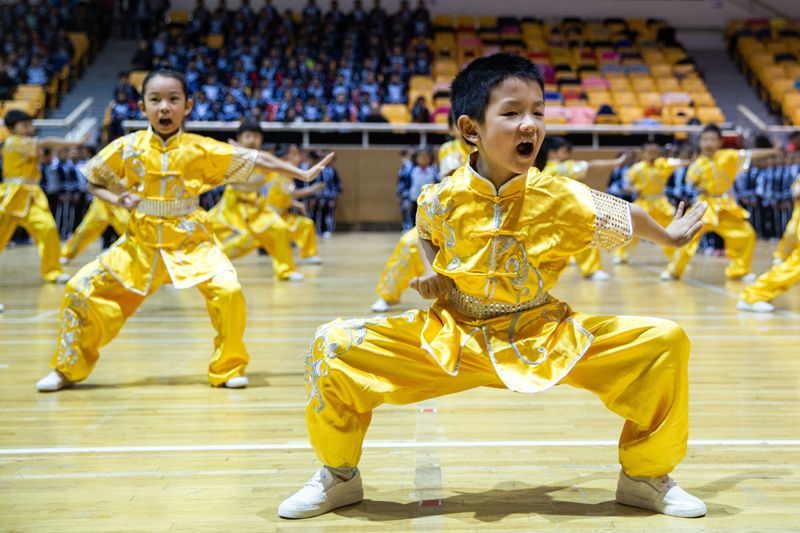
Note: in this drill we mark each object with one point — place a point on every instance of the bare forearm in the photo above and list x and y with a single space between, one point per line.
645 227
429 251
267 161
761 153
57 142
104 194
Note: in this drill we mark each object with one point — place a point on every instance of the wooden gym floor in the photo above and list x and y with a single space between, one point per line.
145 445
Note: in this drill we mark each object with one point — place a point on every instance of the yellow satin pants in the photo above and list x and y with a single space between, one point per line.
99 216
636 366
663 213
303 233
740 242
779 279
41 226
268 231
96 305
403 265
589 261
789 239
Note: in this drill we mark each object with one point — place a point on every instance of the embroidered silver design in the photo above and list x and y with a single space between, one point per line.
73 318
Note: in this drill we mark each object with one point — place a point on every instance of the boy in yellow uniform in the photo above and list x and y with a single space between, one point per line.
243 220
162 171
713 174
560 163
98 217
495 235
782 276
22 201
647 179
405 262
789 238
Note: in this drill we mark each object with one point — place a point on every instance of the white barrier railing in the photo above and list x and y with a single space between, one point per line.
762 126
423 130
67 122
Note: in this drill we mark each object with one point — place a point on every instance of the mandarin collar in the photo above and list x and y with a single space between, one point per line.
484 186
156 141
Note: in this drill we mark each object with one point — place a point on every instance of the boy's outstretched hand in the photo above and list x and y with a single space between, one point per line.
685 226
129 200
431 286
312 172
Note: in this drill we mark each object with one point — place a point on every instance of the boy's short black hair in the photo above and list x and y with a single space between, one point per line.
14 117
557 143
473 86
249 124
166 73
713 128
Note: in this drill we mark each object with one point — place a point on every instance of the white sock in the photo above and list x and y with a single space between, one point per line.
343 473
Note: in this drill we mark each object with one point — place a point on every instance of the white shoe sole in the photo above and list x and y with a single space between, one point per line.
669 510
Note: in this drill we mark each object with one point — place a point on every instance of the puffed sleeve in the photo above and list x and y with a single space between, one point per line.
226 163
590 218
431 206
27 147
105 169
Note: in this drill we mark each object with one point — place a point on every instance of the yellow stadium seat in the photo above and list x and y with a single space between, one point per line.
625 99
649 99
791 102
598 98
136 78
707 115
420 83
443 21
630 115
796 117
661 70
178 16
215 40
667 85
703 99
396 113
641 84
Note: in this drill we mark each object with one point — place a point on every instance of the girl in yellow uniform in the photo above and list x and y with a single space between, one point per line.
162 172
98 217
647 179
497 233
782 276
789 238
559 163
22 201
405 262
243 220
713 174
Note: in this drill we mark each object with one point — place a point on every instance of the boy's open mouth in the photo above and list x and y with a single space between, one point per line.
165 122
525 149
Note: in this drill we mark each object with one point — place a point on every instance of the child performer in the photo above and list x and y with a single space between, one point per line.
244 221
782 276
405 262
789 237
100 216
496 234
713 174
22 201
647 179
560 163
168 240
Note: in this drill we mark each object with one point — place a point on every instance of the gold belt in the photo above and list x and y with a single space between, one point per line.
168 208
245 187
21 181
473 307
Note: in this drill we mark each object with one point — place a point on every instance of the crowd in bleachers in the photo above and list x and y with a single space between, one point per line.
368 65
42 46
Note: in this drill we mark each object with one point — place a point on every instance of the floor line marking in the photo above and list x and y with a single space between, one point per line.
790 443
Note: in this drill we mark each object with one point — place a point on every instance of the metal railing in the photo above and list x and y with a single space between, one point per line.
423 130
64 125
762 126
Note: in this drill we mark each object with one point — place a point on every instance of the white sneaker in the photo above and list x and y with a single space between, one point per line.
666 276
381 306
327 235
619 260
63 261
295 276
776 261
749 278
2 308
600 275
758 307
62 279
52 382
313 260
659 494
237 382
324 492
